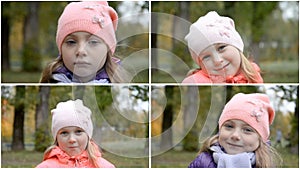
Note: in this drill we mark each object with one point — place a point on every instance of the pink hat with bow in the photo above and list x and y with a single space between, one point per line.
94 17
254 109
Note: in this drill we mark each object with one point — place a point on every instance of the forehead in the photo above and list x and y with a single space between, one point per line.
70 128
82 35
237 121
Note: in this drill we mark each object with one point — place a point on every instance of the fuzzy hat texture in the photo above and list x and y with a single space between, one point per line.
211 29
254 109
71 113
94 17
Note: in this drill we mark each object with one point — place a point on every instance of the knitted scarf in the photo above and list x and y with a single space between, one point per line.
241 160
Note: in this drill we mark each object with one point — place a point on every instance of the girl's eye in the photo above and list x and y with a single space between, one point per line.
70 42
78 132
248 130
228 126
63 133
206 57
93 42
221 48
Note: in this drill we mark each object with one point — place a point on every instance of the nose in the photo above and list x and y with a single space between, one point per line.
81 50
217 58
72 139
236 135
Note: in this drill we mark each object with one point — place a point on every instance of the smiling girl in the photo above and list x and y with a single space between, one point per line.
217 48
72 130
242 141
86 43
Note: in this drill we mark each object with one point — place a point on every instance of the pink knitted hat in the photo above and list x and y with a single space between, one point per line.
94 17
71 113
254 109
211 29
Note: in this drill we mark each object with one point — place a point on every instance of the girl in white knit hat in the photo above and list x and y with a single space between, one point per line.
217 48
86 42
72 130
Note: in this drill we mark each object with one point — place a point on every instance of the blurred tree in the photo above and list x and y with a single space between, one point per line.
166 138
5 30
42 135
290 94
191 141
31 59
18 127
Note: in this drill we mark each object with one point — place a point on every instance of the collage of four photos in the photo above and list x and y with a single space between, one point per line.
150 84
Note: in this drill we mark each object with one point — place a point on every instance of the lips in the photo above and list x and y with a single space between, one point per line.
234 145
81 63
222 68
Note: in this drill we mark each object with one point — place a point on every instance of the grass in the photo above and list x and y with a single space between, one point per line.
170 159
29 159
181 159
280 72
20 77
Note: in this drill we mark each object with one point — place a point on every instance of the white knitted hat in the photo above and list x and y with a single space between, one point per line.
211 29
71 113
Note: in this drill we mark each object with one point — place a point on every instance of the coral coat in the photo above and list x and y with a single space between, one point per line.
59 159
201 77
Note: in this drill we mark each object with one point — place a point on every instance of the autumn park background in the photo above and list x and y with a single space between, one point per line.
154 115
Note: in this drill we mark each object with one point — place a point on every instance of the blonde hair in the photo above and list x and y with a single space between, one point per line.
91 149
266 156
248 70
110 66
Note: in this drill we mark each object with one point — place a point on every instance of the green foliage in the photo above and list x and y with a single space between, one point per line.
42 138
190 142
31 57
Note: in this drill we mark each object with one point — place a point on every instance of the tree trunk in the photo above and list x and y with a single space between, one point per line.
18 130
167 136
5 58
42 110
154 23
42 135
31 56
190 142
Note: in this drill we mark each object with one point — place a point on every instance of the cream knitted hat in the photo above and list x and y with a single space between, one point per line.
71 113
254 109
211 29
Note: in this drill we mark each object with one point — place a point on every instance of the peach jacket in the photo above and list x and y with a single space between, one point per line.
201 77
59 159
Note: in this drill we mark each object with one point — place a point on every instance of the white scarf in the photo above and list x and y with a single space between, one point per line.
241 160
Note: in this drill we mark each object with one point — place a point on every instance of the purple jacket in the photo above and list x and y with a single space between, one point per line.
203 160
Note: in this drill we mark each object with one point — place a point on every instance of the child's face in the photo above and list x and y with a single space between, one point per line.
72 140
84 54
236 136
221 60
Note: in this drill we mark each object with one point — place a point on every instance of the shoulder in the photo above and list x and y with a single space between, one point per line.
197 77
203 160
104 163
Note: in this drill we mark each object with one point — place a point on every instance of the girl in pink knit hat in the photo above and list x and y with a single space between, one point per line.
242 141
72 130
217 48
86 43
